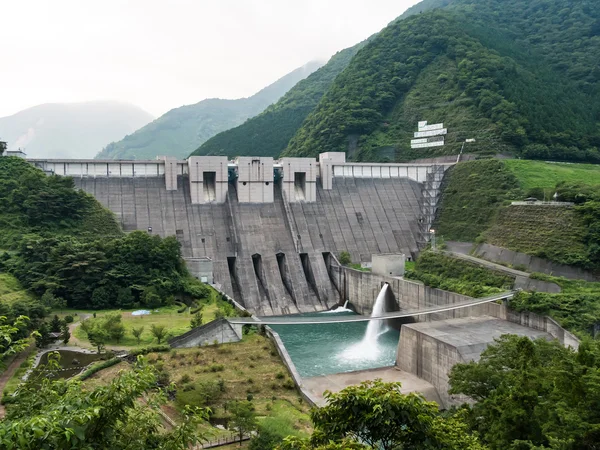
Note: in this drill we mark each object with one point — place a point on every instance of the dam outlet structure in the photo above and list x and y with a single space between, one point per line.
267 228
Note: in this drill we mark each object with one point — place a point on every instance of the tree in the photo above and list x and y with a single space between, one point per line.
137 333
65 334
2 147
535 392
9 332
345 258
125 298
64 415
196 320
158 331
42 336
113 326
243 417
98 336
55 324
379 415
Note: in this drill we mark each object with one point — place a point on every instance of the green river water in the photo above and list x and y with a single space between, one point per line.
322 349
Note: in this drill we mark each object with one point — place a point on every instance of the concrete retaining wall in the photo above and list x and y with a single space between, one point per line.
287 361
533 263
430 360
219 330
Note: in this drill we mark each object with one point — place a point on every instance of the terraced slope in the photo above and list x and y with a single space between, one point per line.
554 233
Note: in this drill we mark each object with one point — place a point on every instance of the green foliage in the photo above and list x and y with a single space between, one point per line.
42 336
499 71
196 320
10 343
533 394
444 272
345 258
62 414
268 133
98 367
243 417
30 201
554 233
137 333
103 329
159 332
472 193
378 415
576 307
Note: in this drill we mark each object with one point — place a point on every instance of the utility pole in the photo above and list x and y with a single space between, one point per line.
463 147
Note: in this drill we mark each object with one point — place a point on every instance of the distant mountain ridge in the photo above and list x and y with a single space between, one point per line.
268 133
70 130
181 130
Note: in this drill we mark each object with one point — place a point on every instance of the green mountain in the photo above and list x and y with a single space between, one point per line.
181 130
70 130
269 133
519 76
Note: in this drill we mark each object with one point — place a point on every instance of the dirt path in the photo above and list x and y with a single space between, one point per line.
10 371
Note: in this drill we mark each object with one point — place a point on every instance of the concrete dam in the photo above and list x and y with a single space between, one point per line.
268 227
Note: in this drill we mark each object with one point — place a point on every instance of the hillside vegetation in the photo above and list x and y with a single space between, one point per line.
519 76
181 130
475 206
269 133
65 247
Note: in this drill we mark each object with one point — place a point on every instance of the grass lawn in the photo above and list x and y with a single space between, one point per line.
539 174
176 323
11 289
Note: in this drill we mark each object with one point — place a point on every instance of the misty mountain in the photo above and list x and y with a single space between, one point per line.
182 130
70 130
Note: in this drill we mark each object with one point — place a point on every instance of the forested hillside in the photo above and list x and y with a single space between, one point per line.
476 207
518 76
61 244
181 130
269 133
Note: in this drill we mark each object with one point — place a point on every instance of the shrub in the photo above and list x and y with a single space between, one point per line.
280 375
185 379
98 367
249 397
289 384
151 349
69 319
216 368
345 258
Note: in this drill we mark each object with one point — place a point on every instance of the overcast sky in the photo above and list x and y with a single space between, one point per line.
160 54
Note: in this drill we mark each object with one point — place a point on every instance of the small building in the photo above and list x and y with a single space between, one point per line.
201 268
388 264
18 153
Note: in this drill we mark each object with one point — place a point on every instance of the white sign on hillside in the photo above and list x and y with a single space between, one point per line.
429 135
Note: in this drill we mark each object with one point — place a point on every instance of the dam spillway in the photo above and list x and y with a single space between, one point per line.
268 240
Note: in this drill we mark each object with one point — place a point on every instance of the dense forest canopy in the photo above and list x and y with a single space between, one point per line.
64 244
519 76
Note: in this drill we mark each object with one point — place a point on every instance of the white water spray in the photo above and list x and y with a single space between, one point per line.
375 327
367 348
346 304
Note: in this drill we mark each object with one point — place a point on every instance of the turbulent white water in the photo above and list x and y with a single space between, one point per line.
367 348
